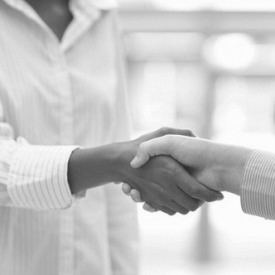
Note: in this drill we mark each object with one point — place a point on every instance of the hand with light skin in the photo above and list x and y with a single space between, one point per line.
165 184
217 166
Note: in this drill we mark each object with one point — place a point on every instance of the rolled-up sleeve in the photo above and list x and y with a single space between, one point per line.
33 176
258 185
37 177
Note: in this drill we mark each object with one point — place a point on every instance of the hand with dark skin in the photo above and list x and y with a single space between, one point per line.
162 181
167 186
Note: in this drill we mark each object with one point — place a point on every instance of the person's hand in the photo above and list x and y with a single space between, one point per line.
194 154
217 166
199 156
163 182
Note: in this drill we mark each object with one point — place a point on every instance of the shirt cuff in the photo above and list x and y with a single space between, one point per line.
38 177
258 185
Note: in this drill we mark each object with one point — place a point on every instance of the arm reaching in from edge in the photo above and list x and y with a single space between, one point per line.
217 166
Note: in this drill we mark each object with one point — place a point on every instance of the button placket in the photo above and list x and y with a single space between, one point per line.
64 91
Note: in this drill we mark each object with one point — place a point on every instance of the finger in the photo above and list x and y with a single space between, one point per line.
184 201
141 158
149 208
167 210
151 148
174 131
135 195
178 208
167 131
195 189
126 188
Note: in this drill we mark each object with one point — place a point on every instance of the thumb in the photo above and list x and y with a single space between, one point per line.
142 156
149 149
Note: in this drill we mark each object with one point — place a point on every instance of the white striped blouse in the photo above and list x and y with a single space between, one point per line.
54 95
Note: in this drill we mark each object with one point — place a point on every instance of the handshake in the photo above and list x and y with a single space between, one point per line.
173 171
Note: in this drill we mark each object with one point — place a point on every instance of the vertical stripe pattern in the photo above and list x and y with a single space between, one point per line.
258 185
38 177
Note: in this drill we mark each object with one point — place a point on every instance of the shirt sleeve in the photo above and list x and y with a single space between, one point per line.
258 185
33 176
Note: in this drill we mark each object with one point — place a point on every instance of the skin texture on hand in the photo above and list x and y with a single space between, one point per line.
164 183
217 166
197 155
92 167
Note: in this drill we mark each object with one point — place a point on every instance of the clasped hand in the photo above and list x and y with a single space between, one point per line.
163 182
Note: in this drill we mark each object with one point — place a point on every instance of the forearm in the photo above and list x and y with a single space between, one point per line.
229 163
89 168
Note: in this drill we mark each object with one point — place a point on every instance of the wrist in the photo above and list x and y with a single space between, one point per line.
230 165
93 167
124 152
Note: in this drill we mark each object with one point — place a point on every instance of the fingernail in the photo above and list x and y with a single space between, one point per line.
133 163
220 197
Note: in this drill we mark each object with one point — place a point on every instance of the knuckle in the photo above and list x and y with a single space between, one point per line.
168 167
194 206
171 168
142 147
191 189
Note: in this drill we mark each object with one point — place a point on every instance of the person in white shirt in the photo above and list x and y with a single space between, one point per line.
62 98
246 172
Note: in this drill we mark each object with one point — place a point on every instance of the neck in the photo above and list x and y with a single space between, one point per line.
38 4
55 13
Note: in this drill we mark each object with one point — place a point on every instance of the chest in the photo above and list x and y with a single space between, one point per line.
42 85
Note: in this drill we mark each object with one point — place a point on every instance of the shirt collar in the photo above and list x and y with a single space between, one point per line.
85 12
103 4
99 4
95 4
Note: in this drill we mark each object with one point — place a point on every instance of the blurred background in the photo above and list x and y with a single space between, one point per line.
206 65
